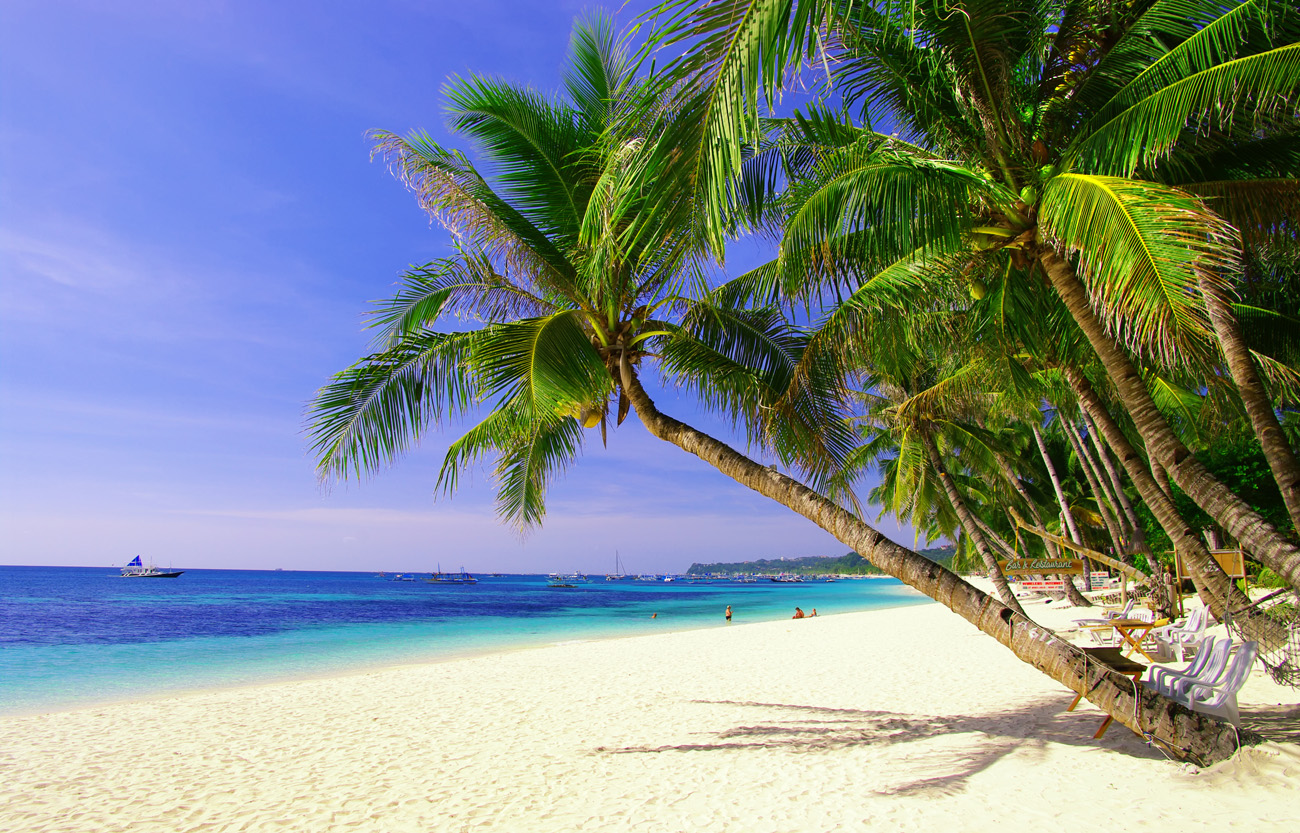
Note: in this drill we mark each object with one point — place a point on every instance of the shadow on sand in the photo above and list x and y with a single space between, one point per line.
1279 723
992 736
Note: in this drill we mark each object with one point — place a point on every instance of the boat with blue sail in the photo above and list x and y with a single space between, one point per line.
135 568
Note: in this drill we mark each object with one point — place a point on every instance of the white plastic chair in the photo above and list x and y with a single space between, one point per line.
1157 674
1107 615
1179 637
1211 673
1220 700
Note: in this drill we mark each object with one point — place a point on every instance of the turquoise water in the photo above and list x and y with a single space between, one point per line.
79 636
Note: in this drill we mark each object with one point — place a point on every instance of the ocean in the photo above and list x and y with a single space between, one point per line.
78 636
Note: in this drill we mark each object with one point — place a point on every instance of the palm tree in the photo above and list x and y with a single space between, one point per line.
583 261
1046 124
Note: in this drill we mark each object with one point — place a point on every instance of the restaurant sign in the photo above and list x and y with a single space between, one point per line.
1052 566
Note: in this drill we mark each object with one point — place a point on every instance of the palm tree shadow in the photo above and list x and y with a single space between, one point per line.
993 735
1277 723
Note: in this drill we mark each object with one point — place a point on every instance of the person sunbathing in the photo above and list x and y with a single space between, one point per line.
798 613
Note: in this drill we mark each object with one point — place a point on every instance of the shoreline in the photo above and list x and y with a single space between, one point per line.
520 642
907 716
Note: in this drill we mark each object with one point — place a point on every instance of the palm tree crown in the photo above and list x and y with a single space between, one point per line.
580 259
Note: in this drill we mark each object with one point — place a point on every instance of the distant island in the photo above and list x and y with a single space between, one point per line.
850 564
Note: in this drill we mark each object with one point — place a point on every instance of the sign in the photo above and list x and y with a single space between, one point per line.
1052 566
1233 563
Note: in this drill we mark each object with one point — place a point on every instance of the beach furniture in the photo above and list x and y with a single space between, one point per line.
1174 685
1106 616
1220 698
1179 637
1159 673
1131 631
1117 662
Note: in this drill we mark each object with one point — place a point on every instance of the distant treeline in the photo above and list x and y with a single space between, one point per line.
850 564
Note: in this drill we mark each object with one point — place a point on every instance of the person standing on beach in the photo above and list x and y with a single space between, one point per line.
728 613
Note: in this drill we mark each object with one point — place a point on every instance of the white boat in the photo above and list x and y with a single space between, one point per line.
135 568
619 573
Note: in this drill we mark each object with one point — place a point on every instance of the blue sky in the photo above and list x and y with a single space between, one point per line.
190 231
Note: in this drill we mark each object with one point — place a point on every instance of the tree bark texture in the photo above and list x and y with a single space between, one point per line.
1256 535
1071 592
1219 592
1134 526
1034 515
1094 483
1183 733
1254 395
971 527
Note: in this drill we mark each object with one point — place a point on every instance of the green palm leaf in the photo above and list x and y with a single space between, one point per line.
1143 249
540 366
374 410
1142 126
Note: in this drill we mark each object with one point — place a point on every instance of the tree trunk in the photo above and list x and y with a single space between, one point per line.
1184 734
1094 483
1034 515
1097 481
1130 515
1220 593
1263 418
1257 536
971 527
1071 592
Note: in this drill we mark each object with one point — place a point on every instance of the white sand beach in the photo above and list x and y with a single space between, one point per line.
902 719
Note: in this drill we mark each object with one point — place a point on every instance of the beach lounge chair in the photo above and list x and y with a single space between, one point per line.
1175 686
1178 637
1106 616
1157 674
1220 700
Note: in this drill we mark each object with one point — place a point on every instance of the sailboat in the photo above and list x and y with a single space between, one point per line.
618 574
135 568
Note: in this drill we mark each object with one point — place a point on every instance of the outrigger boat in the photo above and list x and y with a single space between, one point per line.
451 578
135 568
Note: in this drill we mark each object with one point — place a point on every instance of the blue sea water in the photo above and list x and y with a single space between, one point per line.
73 636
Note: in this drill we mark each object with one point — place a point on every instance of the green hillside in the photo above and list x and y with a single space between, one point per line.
848 564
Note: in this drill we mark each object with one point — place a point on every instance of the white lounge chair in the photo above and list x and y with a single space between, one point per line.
1158 674
1106 616
1220 700
1178 637
1174 685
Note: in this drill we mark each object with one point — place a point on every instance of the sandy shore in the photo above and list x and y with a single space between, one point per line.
905 719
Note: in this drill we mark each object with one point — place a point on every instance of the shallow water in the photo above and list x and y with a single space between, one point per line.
73 636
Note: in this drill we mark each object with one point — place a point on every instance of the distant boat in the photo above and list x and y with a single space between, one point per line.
619 574
135 568
451 578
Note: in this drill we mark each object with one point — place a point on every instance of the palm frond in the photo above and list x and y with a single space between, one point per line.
1195 85
465 285
736 55
1143 249
453 192
540 366
374 410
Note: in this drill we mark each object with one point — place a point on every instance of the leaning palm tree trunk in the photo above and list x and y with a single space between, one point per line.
1071 592
1034 514
1139 537
972 527
1255 534
1281 459
1185 734
1094 483
1219 592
